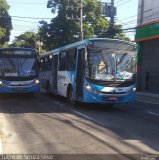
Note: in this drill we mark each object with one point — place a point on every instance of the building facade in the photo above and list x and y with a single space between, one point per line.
147 37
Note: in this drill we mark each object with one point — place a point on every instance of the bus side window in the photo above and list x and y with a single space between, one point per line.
46 64
50 59
62 61
42 64
71 59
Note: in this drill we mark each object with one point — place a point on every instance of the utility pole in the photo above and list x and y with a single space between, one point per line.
79 17
112 20
110 11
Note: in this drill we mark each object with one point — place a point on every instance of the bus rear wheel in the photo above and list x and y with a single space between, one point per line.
70 98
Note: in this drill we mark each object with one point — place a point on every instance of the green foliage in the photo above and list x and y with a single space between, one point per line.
28 40
59 32
5 22
122 36
5 45
101 26
93 19
62 31
2 32
119 34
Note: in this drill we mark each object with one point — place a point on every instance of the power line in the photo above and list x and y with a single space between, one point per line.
126 30
20 29
26 3
136 15
134 22
120 20
24 31
26 17
24 21
118 1
138 27
30 17
128 17
124 3
145 18
134 28
132 17
22 26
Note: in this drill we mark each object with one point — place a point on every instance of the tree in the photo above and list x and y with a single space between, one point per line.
62 31
119 33
28 40
5 22
93 18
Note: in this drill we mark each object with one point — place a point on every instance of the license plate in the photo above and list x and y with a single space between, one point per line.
113 98
19 89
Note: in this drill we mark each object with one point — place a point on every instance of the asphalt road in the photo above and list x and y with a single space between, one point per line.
48 125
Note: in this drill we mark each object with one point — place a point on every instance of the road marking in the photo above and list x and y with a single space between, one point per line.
83 115
60 104
74 111
1 149
153 113
155 103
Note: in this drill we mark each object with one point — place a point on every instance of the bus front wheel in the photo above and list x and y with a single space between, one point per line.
70 98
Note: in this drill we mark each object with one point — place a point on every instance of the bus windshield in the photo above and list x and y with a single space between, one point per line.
18 67
111 65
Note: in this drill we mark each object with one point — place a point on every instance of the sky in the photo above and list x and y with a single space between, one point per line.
126 15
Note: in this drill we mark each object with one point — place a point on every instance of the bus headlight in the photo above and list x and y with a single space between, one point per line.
89 88
134 89
3 84
37 81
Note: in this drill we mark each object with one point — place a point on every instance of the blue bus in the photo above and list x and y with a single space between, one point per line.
96 70
19 70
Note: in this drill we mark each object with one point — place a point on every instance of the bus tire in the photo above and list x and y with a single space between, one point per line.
70 98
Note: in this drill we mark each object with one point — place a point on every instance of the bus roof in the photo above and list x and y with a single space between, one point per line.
85 41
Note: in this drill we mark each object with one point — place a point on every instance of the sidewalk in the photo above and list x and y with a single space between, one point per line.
147 97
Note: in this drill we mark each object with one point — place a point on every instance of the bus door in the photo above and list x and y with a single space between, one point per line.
54 73
80 73
62 74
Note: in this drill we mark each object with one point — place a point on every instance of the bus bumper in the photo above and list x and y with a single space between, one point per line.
20 89
109 99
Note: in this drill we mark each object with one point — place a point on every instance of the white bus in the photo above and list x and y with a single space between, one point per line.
96 70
